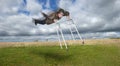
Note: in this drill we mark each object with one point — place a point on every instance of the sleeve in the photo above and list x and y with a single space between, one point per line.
52 16
62 20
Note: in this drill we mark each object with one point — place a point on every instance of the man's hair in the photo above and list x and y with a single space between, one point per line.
66 13
60 10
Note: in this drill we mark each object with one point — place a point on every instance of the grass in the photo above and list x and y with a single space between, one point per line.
78 55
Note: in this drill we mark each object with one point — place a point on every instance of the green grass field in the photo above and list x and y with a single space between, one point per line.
78 55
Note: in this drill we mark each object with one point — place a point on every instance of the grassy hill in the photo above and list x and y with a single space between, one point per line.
94 53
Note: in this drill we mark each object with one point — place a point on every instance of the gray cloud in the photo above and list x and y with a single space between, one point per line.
97 15
98 18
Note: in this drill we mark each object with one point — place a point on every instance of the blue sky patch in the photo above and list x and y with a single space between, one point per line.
53 5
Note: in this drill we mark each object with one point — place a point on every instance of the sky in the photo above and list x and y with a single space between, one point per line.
94 18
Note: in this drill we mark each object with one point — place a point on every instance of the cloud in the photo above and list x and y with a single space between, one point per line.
33 6
94 18
14 23
8 7
10 21
97 15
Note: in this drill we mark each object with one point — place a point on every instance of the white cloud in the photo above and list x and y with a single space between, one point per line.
110 34
14 23
65 4
8 7
93 13
89 15
33 6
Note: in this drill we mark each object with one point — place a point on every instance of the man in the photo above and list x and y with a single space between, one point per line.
51 18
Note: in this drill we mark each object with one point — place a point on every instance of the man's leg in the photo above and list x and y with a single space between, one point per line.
46 16
37 21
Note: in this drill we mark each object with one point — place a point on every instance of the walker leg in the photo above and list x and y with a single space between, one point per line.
63 38
59 38
78 32
72 34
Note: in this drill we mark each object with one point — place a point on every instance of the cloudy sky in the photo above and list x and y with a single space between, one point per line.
94 18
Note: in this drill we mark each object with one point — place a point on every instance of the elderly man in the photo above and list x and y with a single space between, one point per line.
52 18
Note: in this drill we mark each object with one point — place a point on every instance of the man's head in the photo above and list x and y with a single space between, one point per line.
60 13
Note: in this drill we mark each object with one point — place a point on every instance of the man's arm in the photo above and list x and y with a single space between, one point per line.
68 17
55 20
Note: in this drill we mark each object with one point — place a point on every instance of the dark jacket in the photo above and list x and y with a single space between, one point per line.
49 19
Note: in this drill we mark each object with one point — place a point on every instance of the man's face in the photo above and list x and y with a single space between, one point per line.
60 15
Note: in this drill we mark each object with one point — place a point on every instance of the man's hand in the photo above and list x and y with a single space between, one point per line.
55 20
68 17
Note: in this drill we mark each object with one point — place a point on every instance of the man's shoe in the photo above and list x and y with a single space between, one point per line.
34 21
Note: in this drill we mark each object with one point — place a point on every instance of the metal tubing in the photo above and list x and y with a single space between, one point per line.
59 37
63 37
